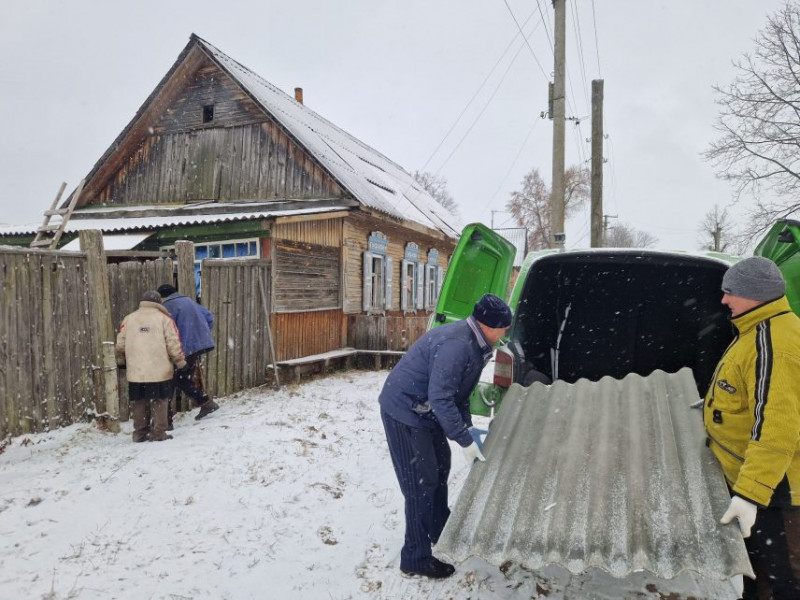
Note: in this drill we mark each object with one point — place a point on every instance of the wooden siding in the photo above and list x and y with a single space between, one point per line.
322 231
46 347
306 276
232 292
357 229
244 162
242 154
304 334
384 332
208 86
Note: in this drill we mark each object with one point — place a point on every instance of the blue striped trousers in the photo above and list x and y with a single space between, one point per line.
421 459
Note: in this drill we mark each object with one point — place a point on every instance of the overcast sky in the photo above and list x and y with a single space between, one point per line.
398 75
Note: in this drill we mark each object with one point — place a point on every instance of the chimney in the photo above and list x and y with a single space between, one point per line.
298 94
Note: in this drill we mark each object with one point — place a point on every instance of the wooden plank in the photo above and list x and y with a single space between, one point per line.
100 324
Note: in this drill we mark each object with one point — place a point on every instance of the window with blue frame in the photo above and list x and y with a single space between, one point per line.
224 249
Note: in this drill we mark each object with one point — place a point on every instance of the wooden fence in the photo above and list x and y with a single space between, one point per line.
237 293
47 367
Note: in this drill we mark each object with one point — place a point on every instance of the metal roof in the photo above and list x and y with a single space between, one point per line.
371 177
172 217
611 475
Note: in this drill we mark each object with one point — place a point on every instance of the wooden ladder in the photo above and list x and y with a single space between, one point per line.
48 234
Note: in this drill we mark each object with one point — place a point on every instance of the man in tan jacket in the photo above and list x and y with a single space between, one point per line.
148 345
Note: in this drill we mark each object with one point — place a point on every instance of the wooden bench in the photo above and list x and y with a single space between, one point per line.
343 357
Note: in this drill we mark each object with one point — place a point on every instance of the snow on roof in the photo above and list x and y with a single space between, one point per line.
612 475
79 223
373 179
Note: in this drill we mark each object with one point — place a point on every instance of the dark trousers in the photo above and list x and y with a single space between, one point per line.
769 554
421 459
190 380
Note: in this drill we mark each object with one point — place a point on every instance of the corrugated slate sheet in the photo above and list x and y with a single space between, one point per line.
612 475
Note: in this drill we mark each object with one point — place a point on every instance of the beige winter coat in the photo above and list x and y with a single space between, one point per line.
149 345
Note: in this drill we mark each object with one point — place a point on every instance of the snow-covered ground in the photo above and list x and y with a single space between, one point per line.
284 495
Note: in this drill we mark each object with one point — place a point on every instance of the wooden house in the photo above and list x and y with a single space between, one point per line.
219 156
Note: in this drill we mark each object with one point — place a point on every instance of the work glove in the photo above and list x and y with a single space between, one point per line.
477 436
744 511
473 453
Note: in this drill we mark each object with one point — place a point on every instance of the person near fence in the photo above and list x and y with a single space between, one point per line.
752 420
194 325
149 348
424 402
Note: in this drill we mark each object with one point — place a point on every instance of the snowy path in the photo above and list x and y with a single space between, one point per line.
284 495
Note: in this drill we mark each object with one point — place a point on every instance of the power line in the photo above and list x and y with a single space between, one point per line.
541 68
596 43
576 25
545 21
480 114
511 168
480 87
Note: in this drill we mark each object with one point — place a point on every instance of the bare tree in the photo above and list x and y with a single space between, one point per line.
716 230
436 186
623 235
759 122
531 206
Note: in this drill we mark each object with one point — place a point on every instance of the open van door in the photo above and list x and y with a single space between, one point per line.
481 264
782 246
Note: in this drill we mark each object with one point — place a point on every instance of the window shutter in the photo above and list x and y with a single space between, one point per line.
388 280
367 283
404 294
427 287
420 285
439 281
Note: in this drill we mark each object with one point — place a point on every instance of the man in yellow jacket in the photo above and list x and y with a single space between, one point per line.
752 419
149 346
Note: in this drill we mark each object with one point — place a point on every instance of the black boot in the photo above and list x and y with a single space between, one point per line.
206 408
435 569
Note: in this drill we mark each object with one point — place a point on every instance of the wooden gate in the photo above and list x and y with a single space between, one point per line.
237 293
127 281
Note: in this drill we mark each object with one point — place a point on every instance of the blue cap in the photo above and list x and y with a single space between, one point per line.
492 312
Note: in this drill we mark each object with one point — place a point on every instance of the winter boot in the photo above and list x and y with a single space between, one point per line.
160 438
206 408
434 568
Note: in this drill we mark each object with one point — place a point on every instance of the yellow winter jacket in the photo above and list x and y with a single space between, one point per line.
752 409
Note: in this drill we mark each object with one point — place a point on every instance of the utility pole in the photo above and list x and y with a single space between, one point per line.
605 226
596 213
557 199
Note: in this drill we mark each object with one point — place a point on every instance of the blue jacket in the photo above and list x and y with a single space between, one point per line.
194 323
431 384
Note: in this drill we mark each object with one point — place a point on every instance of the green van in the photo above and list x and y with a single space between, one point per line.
602 312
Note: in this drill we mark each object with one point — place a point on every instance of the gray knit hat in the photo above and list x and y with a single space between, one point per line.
754 278
151 296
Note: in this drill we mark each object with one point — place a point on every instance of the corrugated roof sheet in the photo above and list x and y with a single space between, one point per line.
79 223
373 179
612 475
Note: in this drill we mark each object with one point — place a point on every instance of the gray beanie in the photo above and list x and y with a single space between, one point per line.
151 296
754 278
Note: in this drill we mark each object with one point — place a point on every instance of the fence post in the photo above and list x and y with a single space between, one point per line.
184 250
100 318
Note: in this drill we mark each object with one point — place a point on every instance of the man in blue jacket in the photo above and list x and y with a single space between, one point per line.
424 402
194 326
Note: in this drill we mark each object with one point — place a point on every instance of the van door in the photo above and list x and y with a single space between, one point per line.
782 246
481 264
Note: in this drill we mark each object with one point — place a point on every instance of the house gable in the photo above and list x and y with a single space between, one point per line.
205 140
